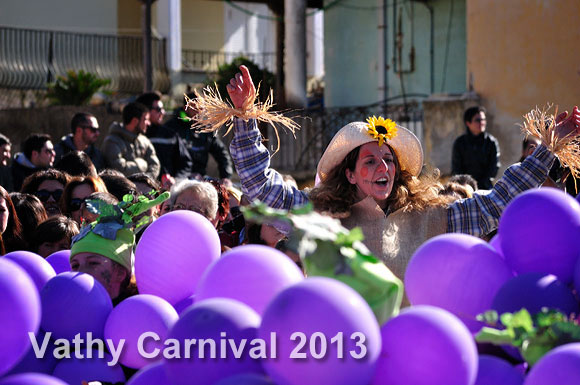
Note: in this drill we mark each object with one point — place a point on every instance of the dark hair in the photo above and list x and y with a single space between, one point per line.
54 229
31 183
147 99
464 179
133 110
104 196
13 236
4 140
80 119
223 200
119 186
471 112
77 163
141 177
34 142
30 211
253 236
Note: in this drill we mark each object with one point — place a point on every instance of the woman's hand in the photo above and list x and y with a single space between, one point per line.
241 89
568 125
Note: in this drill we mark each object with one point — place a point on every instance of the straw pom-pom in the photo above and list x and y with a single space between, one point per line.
213 112
542 124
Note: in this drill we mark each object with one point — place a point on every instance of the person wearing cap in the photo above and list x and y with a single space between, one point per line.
104 248
369 177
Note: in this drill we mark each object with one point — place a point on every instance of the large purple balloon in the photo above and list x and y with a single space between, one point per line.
252 274
495 371
173 253
153 374
495 242
31 364
456 272
31 379
426 345
213 319
322 309
37 268
534 291
560 366
182 305
74 303
540 231
577 276
74 370
60 261
19 313
132 318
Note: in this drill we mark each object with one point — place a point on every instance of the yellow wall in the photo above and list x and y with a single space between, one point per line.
202 25
130 14
522 53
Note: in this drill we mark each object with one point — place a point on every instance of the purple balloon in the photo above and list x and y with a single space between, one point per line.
74 303
173 253
31 379
213 319
426 345
184 304
37 268
495 242
252 274
540 231
31 364
246 379
494 371
74 370
132 318
560 366
322 309
153 374
534 291
458 273
577 276
60 261
19 313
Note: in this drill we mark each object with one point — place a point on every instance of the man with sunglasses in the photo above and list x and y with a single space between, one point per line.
84 134
37 154
476 152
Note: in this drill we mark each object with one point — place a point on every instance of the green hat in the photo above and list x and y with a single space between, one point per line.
111 235
119 249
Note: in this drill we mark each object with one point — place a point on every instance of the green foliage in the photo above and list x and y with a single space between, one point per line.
534 335
265 78
76 89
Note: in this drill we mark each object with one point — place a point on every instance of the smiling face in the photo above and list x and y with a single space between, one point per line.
374 173
51 204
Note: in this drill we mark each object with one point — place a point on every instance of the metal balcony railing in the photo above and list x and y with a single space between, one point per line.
209 61
29 59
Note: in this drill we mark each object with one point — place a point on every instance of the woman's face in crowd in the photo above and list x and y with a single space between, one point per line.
102 269
193 201
77 197
374 173
4 214
51 204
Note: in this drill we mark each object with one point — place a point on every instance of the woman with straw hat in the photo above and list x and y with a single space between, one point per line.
369 174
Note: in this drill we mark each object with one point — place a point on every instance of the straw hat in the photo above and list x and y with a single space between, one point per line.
406 145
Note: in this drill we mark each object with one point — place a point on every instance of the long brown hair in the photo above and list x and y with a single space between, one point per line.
12 236
335 195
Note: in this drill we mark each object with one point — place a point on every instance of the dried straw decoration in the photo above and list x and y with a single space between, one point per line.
213 113
542 124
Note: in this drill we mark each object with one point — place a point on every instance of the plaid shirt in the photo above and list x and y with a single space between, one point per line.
476 216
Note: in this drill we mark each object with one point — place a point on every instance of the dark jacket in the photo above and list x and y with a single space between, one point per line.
200 145
6 178
171 150
21 168
130 153
67 145
477 156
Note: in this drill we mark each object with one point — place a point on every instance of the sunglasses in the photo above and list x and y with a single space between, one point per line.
93 129
44 195
479 120
76 204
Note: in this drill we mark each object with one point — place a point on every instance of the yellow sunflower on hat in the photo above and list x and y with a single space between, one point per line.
381 128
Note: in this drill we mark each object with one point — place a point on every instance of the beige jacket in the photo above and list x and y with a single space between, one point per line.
130 153
395 238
